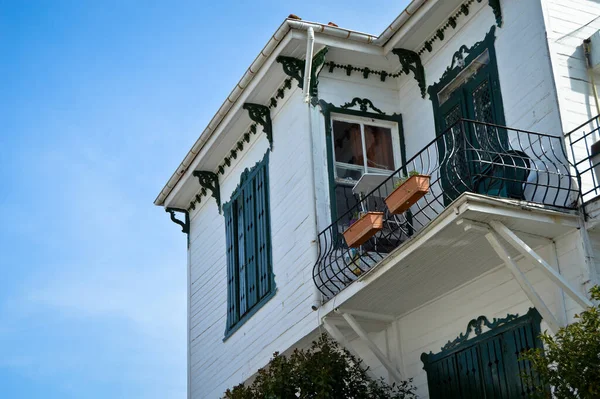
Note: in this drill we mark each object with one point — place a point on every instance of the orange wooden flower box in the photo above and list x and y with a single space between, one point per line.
408 193
364 228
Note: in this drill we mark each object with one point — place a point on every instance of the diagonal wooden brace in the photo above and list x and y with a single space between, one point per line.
538 302
539 262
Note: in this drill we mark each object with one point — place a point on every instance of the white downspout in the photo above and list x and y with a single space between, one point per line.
587 44
310 45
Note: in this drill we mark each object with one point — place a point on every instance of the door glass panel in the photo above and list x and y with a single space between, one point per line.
379 149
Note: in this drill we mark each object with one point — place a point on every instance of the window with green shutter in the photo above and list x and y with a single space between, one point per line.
250 279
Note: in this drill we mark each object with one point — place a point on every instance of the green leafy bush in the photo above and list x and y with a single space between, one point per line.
570 362
323 371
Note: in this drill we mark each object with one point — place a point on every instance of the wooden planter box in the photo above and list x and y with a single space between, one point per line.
364 228
408 193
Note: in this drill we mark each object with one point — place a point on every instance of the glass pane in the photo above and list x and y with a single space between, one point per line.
350 174
379 149
347 143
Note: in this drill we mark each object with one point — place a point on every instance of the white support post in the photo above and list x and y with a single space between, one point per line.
547 315
341 339
538 261
376 351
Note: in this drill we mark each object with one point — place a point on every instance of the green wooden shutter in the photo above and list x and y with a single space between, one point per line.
250 225
518 341
241 253
469 373
232 286
495 379
487 366
263 255
442 378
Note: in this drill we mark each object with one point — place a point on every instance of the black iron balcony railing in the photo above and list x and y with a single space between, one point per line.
584 142
470 156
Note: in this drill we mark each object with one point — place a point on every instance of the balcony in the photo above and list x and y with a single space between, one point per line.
488 161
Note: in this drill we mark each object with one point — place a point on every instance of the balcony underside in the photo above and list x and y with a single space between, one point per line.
443 256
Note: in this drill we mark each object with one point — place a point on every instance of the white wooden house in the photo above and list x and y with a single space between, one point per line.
493 100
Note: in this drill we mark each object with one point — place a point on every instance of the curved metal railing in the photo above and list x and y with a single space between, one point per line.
469 156
584 142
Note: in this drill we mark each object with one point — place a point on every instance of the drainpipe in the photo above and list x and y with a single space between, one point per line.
587 51
310 45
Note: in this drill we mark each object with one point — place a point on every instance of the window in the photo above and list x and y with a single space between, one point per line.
361 145
250 280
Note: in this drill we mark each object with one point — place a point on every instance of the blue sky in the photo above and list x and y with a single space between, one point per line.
99 102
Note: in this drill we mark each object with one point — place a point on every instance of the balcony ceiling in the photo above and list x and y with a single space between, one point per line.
444 256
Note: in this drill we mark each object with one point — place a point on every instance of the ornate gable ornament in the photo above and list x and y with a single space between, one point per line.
364 104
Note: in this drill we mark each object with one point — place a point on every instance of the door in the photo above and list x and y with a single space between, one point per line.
465 149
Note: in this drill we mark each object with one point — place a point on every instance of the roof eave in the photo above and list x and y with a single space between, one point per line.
272 46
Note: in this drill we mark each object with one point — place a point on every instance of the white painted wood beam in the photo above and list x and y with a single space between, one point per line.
543 216
367 315
538 302
391 368
539 262
472 225
336 334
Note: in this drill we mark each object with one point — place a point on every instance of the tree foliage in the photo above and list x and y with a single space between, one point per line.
323 371
570 362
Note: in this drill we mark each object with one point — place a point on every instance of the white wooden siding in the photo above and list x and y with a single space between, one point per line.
568 24
217 365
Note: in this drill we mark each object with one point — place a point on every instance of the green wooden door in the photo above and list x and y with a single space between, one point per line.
488 366
465 149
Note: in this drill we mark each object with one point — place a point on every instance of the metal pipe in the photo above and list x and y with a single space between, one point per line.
310 46
587 44
310 43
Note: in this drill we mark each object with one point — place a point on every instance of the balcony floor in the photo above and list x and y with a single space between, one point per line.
443 256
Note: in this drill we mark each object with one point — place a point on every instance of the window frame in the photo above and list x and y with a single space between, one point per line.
247 178
362 121
329 110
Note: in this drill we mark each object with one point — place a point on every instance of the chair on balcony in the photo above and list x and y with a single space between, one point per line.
504 176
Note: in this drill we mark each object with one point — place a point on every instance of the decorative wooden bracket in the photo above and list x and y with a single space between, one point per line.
261 115
364 104
495 4
209 181
411 61
294 68
185 225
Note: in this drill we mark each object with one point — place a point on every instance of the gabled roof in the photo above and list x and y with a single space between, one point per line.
384 42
